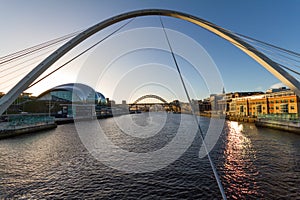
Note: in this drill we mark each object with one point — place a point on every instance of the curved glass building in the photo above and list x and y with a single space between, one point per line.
73 93
72 99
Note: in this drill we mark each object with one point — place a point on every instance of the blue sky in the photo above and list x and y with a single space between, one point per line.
27 23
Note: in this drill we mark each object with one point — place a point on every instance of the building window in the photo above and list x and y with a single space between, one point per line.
292 100
284 108
292 108
258 109
241 109
277 107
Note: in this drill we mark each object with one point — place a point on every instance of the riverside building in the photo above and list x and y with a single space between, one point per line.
275 101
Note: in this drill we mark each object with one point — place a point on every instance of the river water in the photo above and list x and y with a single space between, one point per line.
253 163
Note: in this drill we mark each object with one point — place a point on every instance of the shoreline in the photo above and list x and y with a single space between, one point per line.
22 130
291 126
12 131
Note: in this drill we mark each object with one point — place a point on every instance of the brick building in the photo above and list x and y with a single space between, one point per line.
282 101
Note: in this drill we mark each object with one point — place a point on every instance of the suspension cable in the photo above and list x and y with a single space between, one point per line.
278 61
80 54
20 64
195 117
273 54
270 45
270 52
29 54
18 70
276 56
30 50
13 83
272 49
289 69
258 41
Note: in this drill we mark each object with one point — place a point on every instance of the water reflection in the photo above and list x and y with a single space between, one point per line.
239 169
253 163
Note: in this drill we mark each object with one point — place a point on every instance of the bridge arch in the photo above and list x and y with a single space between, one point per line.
150 96
259 57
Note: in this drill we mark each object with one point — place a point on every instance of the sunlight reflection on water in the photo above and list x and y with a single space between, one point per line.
239 158
253 164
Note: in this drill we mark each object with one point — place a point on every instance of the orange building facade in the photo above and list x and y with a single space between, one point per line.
282 102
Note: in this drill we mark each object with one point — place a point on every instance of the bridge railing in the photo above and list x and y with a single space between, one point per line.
26 120
280 117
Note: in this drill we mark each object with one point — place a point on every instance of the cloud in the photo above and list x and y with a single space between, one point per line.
259 88
277 85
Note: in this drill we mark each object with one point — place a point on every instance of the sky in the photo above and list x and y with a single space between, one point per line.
31 22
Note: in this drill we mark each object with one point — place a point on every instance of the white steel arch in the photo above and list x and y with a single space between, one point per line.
266 62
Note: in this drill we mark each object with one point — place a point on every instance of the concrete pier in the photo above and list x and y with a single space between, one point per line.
291 126
20 130
19 124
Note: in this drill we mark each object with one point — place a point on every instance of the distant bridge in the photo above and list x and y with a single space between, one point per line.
146 107
148 97
237 41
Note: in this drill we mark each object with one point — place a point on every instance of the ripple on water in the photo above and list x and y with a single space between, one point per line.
253 163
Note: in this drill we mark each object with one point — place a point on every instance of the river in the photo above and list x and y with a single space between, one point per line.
253 163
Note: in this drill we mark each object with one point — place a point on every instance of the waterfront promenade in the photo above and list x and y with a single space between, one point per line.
16 125
280 122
